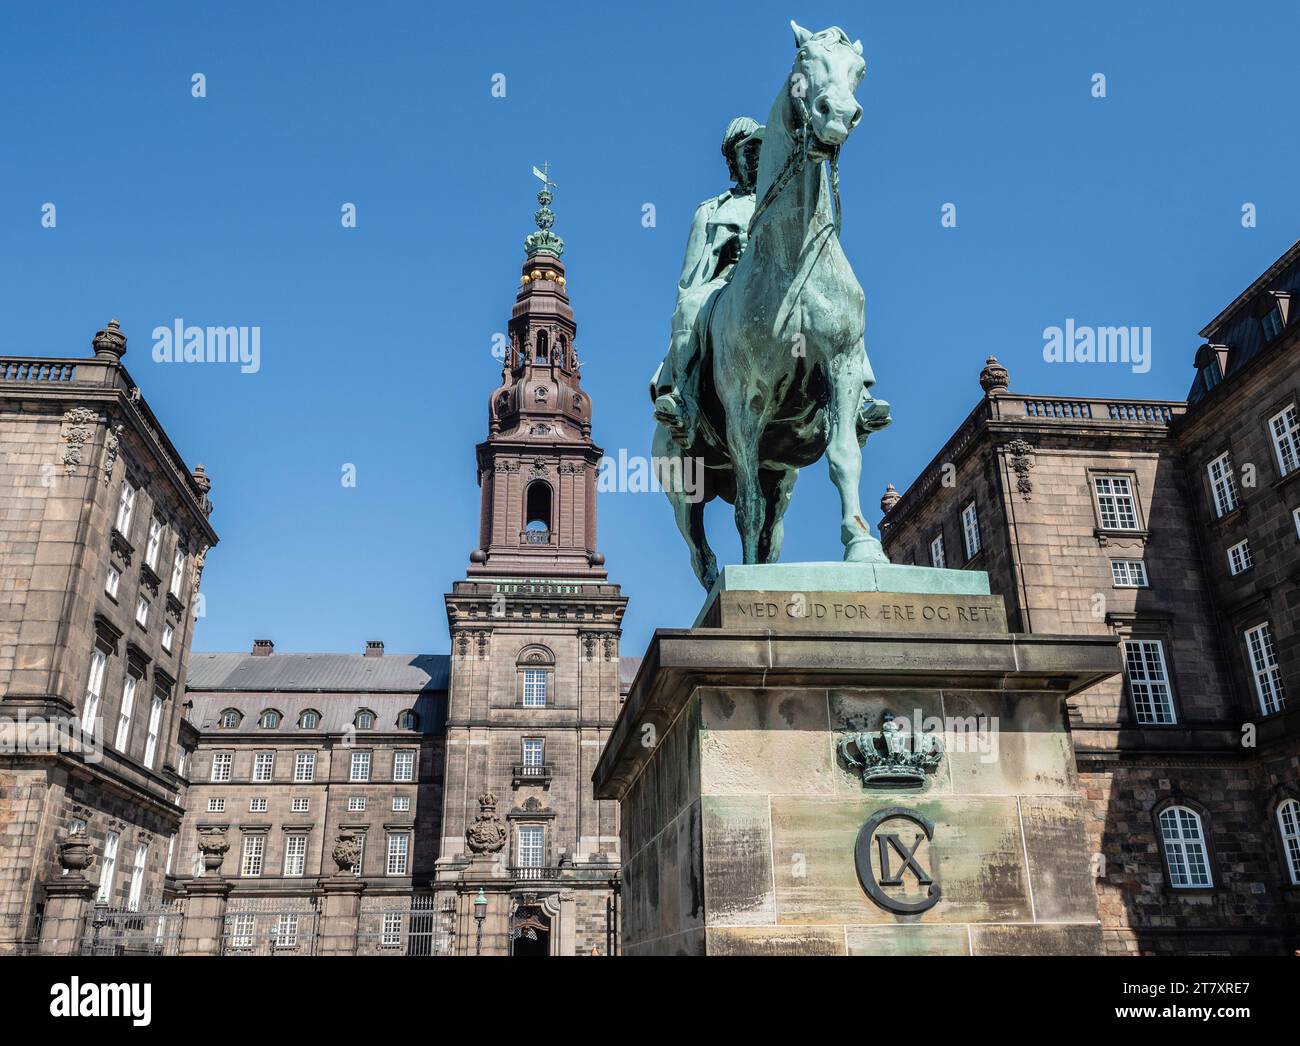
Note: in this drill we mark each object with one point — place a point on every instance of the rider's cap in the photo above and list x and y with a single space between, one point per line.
740 127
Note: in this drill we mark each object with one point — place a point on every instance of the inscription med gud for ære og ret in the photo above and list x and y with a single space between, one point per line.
887 613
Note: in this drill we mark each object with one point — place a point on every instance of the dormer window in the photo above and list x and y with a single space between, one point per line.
309 720
230 719
269 720
365 720
1272 323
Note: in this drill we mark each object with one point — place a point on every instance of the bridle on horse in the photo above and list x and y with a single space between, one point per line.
797 158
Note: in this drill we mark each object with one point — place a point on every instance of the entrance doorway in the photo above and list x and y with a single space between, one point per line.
530 932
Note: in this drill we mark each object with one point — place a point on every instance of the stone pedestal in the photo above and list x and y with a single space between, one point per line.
484 872
340 914
770 806
205 916
63 924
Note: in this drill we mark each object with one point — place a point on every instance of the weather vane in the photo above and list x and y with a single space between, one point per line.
545 174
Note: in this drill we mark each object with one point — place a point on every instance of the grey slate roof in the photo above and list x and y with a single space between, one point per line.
337 711
347 673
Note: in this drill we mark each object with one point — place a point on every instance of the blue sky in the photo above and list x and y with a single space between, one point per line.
376 340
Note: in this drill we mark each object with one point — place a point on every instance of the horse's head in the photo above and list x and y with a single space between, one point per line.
827 70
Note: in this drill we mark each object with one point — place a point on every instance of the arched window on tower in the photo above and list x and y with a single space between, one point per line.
537 522
562 352
541 355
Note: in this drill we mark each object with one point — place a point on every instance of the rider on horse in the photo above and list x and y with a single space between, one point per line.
718 237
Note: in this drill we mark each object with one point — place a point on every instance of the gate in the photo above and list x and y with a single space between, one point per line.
152 930
405 925
270 926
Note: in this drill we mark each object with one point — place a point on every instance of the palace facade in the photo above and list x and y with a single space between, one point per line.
1175 526
418 804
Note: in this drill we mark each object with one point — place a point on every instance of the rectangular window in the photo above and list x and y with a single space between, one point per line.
216 806
530 846
286 930
1129 573
125 506
535 687
124 713
970 528
171 854
1148 681
155 725
111 582
168 635
1224 484
300 806
257 806
107 867
360 768
401 803
94 690
254 847
936 552
1185 853
155 543
295 855
1272 323
137 878
221 765
178 573
404 766
1115 503
399 845
1295 515
532 751
1239 557
361 855
142 612
392 936
356 803
1284 427
241 935
1263 664
263 766
304 766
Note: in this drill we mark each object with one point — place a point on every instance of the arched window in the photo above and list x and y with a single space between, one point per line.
1187 861
309 720
538 507
1288 823
230 719
365 720
408 720
542 353
269 719
536 667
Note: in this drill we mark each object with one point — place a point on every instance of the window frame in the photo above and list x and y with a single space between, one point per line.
153 546
125 508
1224 495
528 700
400 756
1290 437
252 855
224 759
365 757
294 841
1116 501
1202 839
1266 648
1149 682
126 712
401 852
94 695
154 731
969 516
1240 558
1130 573
939 561
108 867
301 759
264 757
1289 835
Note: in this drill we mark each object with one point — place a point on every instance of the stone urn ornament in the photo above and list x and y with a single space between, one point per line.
213 845
347 852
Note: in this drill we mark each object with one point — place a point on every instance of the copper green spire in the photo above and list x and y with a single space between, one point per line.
543 241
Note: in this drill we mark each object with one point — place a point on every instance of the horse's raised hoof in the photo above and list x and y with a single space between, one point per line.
864 550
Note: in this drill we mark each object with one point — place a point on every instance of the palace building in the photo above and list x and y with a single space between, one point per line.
1176 527
292 803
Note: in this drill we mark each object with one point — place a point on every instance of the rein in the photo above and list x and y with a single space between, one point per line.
797 158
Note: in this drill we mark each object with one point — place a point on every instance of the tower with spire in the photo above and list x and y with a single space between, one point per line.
537 467
534 684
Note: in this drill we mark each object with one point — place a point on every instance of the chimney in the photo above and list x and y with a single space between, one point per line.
374 648
263 648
